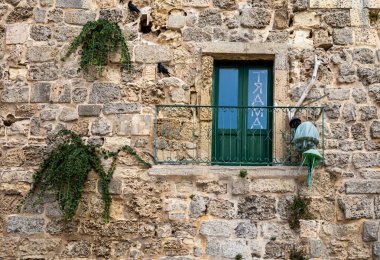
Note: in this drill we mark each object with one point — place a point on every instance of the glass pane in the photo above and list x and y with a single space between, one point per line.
228 96
257 97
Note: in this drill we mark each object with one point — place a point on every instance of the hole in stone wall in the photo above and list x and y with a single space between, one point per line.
291 21
9 120
145 26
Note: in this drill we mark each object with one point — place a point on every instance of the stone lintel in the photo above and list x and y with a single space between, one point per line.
211 172
248 51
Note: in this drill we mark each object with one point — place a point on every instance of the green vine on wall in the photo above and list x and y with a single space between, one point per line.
66 169
98 39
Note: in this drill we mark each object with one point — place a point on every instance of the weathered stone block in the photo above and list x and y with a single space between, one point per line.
374 91
358 131
153 53
338 131
197 206
176 22
257 18
366 160
24 225
76 249
121 108
41 53
38 246
362 187
39 15
221 208
343 36
218 228
104 93
364 55
224 4
371 230
141 124
246 229
209 17
101 126
322 39
89 110
43 71
349 112
338 93
113 15
338 19
315 246
330 4
196 3
40 33
240 186
368 113
212 187
78 4
277 230
356 207
195 34
359 95
375 129
18 93
273 185
306 19
9 246
281 19
276 250
40 93
68 114
79 17
257 207
227 248
16 33
365 36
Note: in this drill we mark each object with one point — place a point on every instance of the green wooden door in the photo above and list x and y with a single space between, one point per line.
242 126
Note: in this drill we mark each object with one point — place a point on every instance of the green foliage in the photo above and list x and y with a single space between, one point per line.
66 168
243 173
298 209
192 196
98 39
238 257
273 238
297 254
373 16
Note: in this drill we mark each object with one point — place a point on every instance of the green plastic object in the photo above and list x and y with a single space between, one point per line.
311 160
306 137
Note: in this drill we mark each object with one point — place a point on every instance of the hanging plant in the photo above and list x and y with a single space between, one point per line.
66 169
98 39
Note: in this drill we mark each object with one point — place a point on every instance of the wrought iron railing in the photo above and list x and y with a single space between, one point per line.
189 134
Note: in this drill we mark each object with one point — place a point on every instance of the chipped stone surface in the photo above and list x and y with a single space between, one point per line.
192 211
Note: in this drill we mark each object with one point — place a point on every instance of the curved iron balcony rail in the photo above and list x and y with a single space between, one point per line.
228 135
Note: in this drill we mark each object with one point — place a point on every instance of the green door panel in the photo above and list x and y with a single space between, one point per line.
242 122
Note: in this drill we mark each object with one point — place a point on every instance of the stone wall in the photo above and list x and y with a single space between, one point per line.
153 216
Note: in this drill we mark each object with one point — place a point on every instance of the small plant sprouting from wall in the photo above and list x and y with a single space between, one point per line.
98 39
243 173
298 209
239 257
373 16
65 171
297 254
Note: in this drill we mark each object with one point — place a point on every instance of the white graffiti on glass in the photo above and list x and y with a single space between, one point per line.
257 113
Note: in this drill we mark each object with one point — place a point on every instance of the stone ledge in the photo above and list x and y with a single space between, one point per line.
254 172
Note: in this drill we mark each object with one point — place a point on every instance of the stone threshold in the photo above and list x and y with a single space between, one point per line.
262 172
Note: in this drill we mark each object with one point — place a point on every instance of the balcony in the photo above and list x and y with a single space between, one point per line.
221 135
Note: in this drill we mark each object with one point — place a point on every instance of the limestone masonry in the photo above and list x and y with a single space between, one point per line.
185 212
